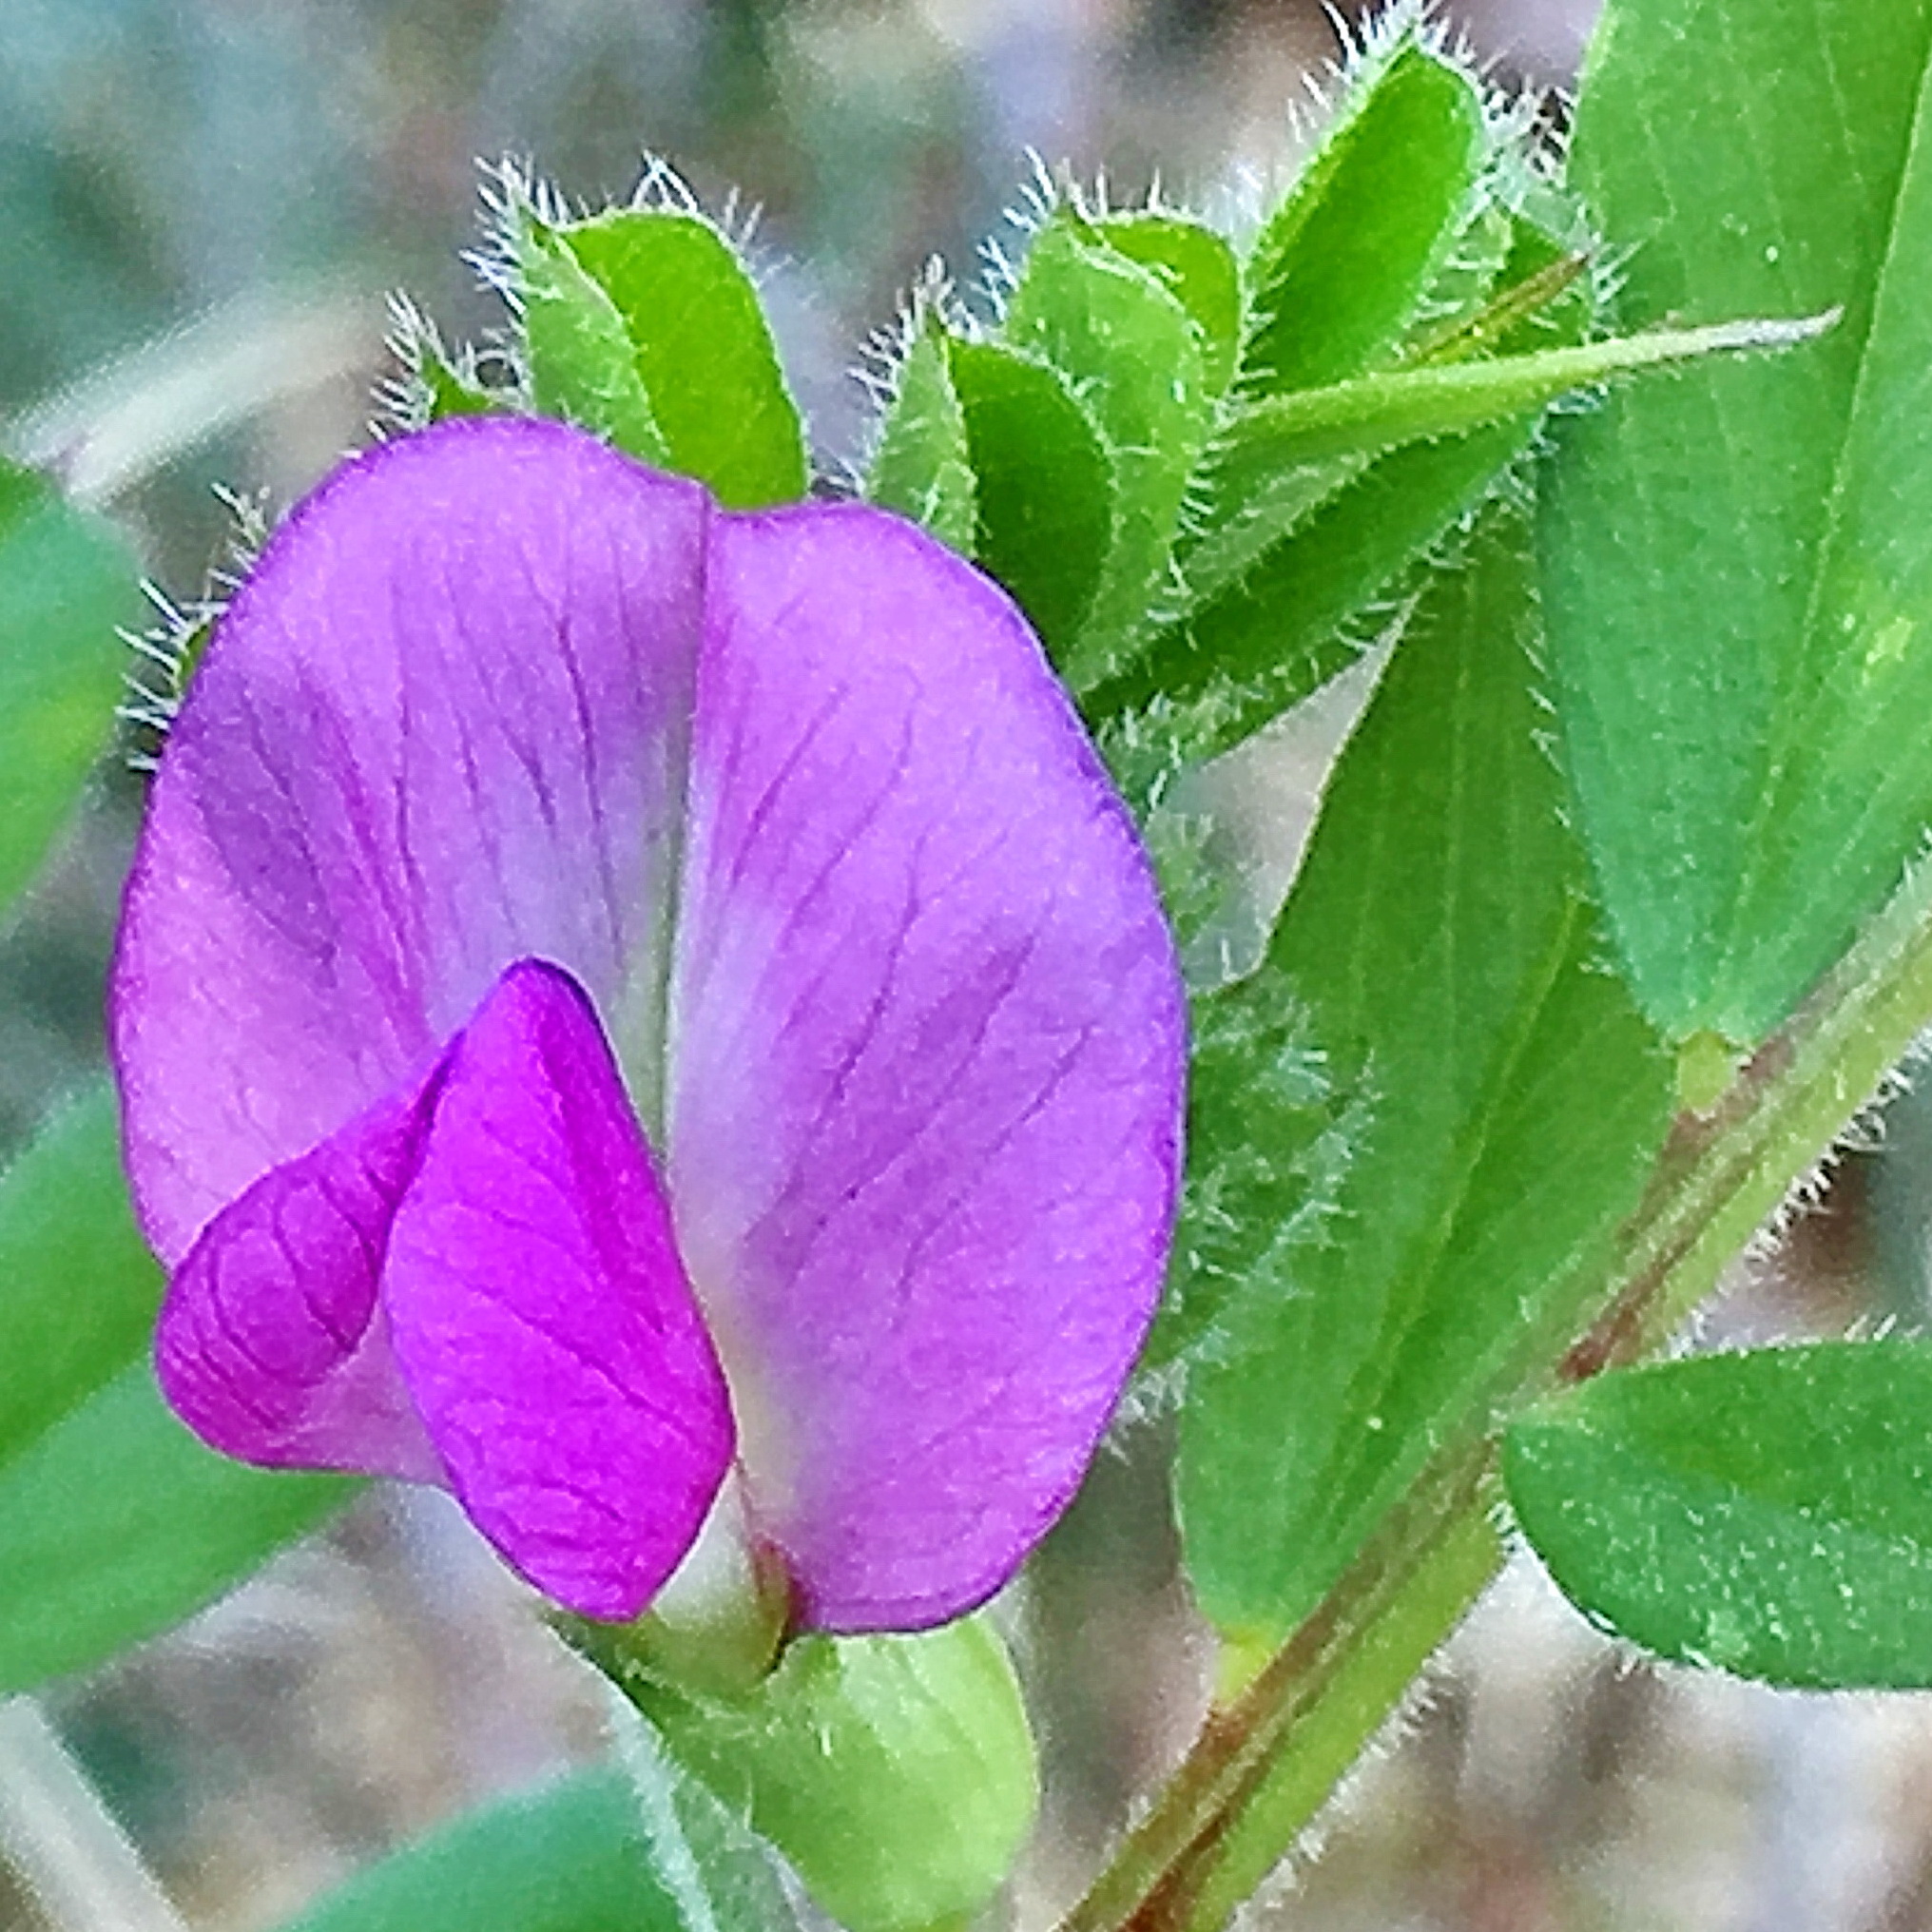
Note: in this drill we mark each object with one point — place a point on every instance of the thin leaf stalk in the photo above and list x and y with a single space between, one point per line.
1265 1763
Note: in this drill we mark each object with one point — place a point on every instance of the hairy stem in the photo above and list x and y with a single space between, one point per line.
1265 1763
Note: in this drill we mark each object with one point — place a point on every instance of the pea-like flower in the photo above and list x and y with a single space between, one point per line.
612 993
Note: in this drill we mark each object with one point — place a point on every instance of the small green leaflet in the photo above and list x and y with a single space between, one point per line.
1044 493
644 325
67 583
1314 601
115 1521
1496 1101
1397 171
1128 350
1767 1514
923 468
578 353
1737 565
1198 268
896 1774
1343 265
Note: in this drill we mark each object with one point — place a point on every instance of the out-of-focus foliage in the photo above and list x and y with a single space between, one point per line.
1213 469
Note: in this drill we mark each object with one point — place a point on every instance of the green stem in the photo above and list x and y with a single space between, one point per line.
1159 1870
1263 1765
1372 414
1724 1172
1367 1688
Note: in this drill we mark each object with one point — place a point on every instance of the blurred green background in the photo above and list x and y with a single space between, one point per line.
202 207
204 204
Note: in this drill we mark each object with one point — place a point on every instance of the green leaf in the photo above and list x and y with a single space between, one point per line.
896 1774
1275 464
436 385
571 1857
1251 497
1496 1100
67 583
1769 1514
1310 605
78 1288
1342 265
1198 268
579 356
640 1849
115 1521
1375 413
1130 351
1045 494
1738 565
1307 605
922 467
702 351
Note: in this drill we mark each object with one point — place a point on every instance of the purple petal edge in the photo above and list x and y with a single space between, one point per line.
928 1051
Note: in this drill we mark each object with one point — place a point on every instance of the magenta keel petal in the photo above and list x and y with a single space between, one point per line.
926 1065
273 1343
540 1314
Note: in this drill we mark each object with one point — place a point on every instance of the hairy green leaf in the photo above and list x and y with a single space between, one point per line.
703 349
1044 497
1342 265
1769 1514
67 583
1130 352
1738 564
1306 607
922 467
1496 1100
581 364
1198 268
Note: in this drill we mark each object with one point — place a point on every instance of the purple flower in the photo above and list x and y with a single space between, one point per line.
610 991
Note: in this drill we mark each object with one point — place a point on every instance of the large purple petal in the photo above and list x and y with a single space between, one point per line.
925 1064
497 694
540 1314
441 729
